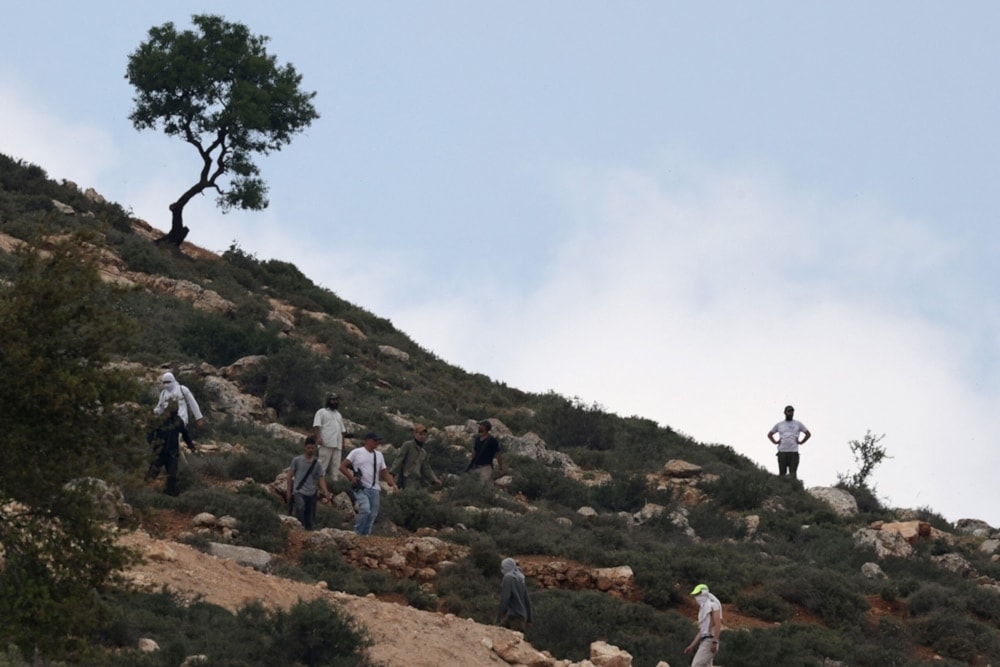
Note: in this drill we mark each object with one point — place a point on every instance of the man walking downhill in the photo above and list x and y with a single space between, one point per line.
304 475
364 466
706 641
412 467
515 605
788 442
328 429
484 449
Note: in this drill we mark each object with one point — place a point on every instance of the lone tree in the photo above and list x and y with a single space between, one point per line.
220 91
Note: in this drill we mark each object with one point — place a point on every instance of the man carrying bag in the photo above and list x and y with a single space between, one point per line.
304 475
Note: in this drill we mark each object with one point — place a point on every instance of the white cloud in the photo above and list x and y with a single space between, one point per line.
710 308
66 149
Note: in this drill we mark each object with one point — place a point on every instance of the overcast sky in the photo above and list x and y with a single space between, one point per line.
691 212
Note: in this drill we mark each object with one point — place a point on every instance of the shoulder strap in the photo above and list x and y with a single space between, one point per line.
306 476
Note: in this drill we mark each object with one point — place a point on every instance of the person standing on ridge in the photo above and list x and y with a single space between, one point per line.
706 641
788 431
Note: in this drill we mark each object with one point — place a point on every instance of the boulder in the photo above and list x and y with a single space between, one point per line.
872 571
603 654
839 500
108 498
974 527
258 559
885 543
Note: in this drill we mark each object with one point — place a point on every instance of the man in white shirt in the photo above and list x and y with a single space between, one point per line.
706 641
788 442
328 429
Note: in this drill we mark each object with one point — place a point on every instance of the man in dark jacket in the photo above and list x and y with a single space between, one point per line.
165 440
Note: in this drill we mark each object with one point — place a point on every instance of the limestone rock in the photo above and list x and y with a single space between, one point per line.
603 654
258 559
839 500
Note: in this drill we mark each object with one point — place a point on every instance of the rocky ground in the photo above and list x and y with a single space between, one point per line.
403 636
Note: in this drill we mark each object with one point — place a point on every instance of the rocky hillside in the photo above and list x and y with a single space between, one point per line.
612 519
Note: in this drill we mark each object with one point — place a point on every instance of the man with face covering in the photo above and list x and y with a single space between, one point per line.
515 605
706 641
328 429
187 407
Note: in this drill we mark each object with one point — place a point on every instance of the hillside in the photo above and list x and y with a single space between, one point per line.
613 518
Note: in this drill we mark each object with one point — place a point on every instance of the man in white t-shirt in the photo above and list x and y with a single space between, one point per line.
706 640
788 442
328 429
364 467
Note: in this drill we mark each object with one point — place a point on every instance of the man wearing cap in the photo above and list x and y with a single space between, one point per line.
412 467
364 466
788 442
706 642
328 429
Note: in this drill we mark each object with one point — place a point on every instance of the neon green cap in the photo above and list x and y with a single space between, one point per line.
700 588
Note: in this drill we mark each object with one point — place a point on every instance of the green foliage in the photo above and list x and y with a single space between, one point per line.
258 519
868 454
221 341
765 605
566 623
829 594
310 633
741 490
58 328
625 493
220 91
415 508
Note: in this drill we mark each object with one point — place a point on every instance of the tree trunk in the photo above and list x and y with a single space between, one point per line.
178 232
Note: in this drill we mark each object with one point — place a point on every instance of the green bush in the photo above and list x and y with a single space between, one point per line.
259 524
415 508
931 598
740 490
765 605
829 594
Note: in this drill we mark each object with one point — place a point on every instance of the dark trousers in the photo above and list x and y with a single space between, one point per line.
169 461
515 623
788 462
305 509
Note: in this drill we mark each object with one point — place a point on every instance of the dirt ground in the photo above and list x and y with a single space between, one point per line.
403 636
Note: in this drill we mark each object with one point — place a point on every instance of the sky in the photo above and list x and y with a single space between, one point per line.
695 213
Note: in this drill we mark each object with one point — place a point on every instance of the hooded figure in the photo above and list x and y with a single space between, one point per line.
515 605
186 405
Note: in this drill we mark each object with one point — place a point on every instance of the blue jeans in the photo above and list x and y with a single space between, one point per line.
368 505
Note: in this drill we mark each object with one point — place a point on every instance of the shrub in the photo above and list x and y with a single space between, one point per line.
765 605
740 490
415 508
932 597
829 594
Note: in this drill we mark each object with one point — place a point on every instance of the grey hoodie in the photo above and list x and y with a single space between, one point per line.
514 601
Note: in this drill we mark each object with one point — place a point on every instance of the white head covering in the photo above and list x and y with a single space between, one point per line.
172 392
509 566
